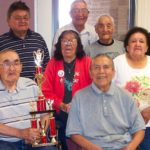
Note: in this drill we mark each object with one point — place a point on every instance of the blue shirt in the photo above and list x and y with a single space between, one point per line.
106 119
25 48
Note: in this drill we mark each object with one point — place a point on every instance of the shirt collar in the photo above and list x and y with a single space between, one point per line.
11 33
20 85
98 91
2 88
84 31
106 44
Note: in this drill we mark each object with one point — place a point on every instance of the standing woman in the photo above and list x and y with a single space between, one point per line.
133 74
65 74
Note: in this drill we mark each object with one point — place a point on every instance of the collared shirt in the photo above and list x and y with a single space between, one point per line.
106 119
15 106
25 48
87 35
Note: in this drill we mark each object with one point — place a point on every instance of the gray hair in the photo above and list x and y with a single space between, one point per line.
77 1
105 15
106 56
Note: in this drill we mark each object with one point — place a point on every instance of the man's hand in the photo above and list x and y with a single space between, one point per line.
30 135
136 140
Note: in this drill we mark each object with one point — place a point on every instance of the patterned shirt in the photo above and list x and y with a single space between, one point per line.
134 80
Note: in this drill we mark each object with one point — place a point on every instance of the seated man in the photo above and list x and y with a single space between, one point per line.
103 116
16 93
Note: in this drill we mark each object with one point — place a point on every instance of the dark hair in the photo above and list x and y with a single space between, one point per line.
136 30
18 5
103 56
58 51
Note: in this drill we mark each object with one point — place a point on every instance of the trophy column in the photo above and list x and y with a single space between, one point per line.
52 122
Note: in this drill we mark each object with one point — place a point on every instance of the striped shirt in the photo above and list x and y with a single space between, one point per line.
25 48
15 106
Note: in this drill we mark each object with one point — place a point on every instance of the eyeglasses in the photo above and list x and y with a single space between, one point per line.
8 64
68 42
19 18
77 11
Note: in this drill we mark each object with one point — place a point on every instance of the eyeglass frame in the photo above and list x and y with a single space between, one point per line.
77 11
7 64
19 18
69 42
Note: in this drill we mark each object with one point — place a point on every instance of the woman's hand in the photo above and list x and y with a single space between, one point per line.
146 114
65 107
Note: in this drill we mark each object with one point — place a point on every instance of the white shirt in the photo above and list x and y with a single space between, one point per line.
136 81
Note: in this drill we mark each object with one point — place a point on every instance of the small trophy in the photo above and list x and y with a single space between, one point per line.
38 58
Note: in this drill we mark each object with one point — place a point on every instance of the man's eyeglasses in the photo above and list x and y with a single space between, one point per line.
19 18
77 11
8 64
68 42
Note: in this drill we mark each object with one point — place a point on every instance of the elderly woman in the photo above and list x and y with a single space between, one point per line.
66 73
133 74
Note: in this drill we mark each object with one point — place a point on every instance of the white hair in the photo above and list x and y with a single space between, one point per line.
108 16
77 1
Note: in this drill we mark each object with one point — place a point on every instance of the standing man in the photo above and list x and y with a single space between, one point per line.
103 116
16 93
79 14
105 27
22 39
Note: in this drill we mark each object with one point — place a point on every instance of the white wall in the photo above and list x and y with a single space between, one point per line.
142 14
43 22
43 16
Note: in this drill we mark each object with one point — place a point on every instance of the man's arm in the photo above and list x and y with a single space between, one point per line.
84 143
28 134
146 114
137 139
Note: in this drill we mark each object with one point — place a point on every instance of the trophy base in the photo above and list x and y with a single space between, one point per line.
53 139
44 144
